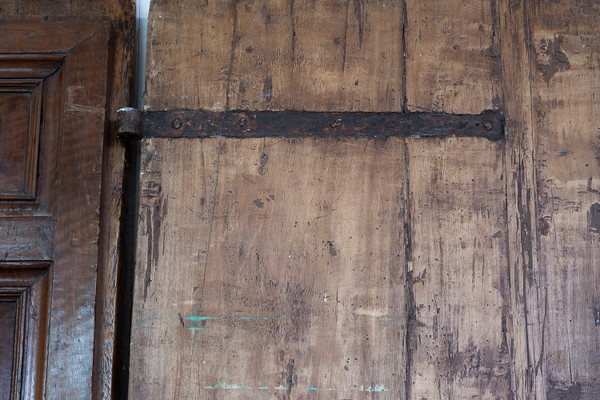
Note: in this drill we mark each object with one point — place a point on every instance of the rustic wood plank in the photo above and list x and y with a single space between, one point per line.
459 293
276 54
273 267
458 286
525 330
46 7
452 54
245 61
347 54
566 93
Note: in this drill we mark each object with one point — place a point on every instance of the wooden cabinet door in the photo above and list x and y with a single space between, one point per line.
53 98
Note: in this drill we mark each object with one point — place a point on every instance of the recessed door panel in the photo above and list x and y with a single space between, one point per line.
19 128
8 322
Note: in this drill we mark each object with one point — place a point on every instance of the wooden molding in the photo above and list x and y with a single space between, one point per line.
28 285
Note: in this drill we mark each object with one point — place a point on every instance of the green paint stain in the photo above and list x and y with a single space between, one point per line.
316 389
376 388
196 318
225 386
229 386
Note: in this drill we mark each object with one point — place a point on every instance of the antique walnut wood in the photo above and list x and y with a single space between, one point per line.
55 84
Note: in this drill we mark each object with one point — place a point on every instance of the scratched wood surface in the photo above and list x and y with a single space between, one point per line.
459 293
498 241
275 54
275 264
458 286
524 322
452 52
566 92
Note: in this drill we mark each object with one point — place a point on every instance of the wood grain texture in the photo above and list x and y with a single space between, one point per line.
111 265
77 230
8 324
27 285
500 240
66 232
121 16
566 90
452 56
525 321
275 55
458 344
464 349
271 266
28 240
13 143
8 7
458 337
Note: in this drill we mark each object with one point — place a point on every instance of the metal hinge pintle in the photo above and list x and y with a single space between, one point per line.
130 123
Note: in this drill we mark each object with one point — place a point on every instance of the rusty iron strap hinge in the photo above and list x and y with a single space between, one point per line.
135 124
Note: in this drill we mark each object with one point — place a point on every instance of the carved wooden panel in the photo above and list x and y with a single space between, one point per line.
19 126
30 92
24 307
8 322
54 80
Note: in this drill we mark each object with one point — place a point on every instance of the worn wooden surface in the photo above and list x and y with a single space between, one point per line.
497 285
459 293
525 332
566 92
458 301
27 285
275 54
285 274
452 54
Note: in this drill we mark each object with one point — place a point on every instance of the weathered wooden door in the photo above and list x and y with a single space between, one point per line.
368 267
54 106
